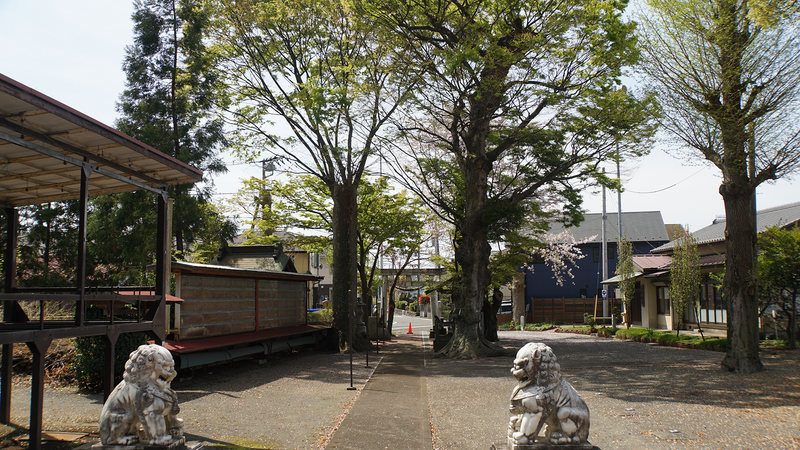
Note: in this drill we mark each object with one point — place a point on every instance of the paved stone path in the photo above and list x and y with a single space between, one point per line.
392 410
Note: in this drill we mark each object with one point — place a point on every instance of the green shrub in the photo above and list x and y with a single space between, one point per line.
576 330
323 315
89 361
508 326
540 326
402 304
719 345
667 339
590 320
606 332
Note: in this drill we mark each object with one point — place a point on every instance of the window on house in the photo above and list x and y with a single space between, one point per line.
611 251
662 300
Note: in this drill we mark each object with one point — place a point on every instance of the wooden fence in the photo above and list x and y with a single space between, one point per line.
570 310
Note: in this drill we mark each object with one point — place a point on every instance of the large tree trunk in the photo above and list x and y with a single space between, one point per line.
472 254
740 283
490 309
343 265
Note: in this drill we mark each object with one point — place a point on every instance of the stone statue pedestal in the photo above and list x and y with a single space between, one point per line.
178 444
542 444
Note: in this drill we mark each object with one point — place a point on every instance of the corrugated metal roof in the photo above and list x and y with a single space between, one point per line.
637 226
210 269
43 145
782 215
651 262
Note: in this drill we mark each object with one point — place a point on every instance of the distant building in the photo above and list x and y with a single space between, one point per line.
653 272
645 230
279 258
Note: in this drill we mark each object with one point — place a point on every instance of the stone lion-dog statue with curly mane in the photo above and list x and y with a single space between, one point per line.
543 401
143 408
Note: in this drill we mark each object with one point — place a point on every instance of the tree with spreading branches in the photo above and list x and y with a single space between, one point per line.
327 77
727 73
516 99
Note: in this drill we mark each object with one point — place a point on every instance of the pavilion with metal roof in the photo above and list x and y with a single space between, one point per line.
50 152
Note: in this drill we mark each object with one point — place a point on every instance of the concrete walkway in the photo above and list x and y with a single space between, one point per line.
392 410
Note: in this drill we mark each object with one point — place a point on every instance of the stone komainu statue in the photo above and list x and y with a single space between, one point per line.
542 399
143 408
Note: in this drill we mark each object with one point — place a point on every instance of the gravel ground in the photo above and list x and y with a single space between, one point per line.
294 402
640 396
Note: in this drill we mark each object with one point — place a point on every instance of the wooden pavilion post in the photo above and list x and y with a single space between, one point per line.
10 273
80 272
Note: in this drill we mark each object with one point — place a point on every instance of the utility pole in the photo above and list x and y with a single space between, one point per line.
604 252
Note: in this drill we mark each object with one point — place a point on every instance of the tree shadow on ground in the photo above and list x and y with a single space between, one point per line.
231 379
638 372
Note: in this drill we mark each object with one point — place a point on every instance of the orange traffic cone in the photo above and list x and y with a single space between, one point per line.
409 328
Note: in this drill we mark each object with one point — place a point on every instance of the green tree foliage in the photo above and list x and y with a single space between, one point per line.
214 230
326 76
627 278
684 277
168 104
388 222
47 254
730 90
516 99
779 274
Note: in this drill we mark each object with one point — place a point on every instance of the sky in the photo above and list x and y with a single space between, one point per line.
73 51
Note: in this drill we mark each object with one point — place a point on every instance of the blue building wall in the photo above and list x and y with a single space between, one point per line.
587 274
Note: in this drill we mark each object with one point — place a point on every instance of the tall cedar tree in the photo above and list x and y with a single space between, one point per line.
684 277
516 98
325 75
47 252
730 88
167 104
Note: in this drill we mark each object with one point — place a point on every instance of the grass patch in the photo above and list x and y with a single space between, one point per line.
542 326
577 330
782 344
538 326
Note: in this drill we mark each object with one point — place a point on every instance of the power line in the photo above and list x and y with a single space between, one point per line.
668 187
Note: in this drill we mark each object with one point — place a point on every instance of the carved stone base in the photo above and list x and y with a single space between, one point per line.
542 444
178 444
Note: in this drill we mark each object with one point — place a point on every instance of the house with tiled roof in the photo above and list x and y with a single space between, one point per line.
645 230
652 272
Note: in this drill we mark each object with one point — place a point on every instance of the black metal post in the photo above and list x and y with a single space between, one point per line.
350 313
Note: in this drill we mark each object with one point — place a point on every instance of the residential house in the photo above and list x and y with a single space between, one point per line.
652 273
645 230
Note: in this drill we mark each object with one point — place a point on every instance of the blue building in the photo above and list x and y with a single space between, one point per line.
645 230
